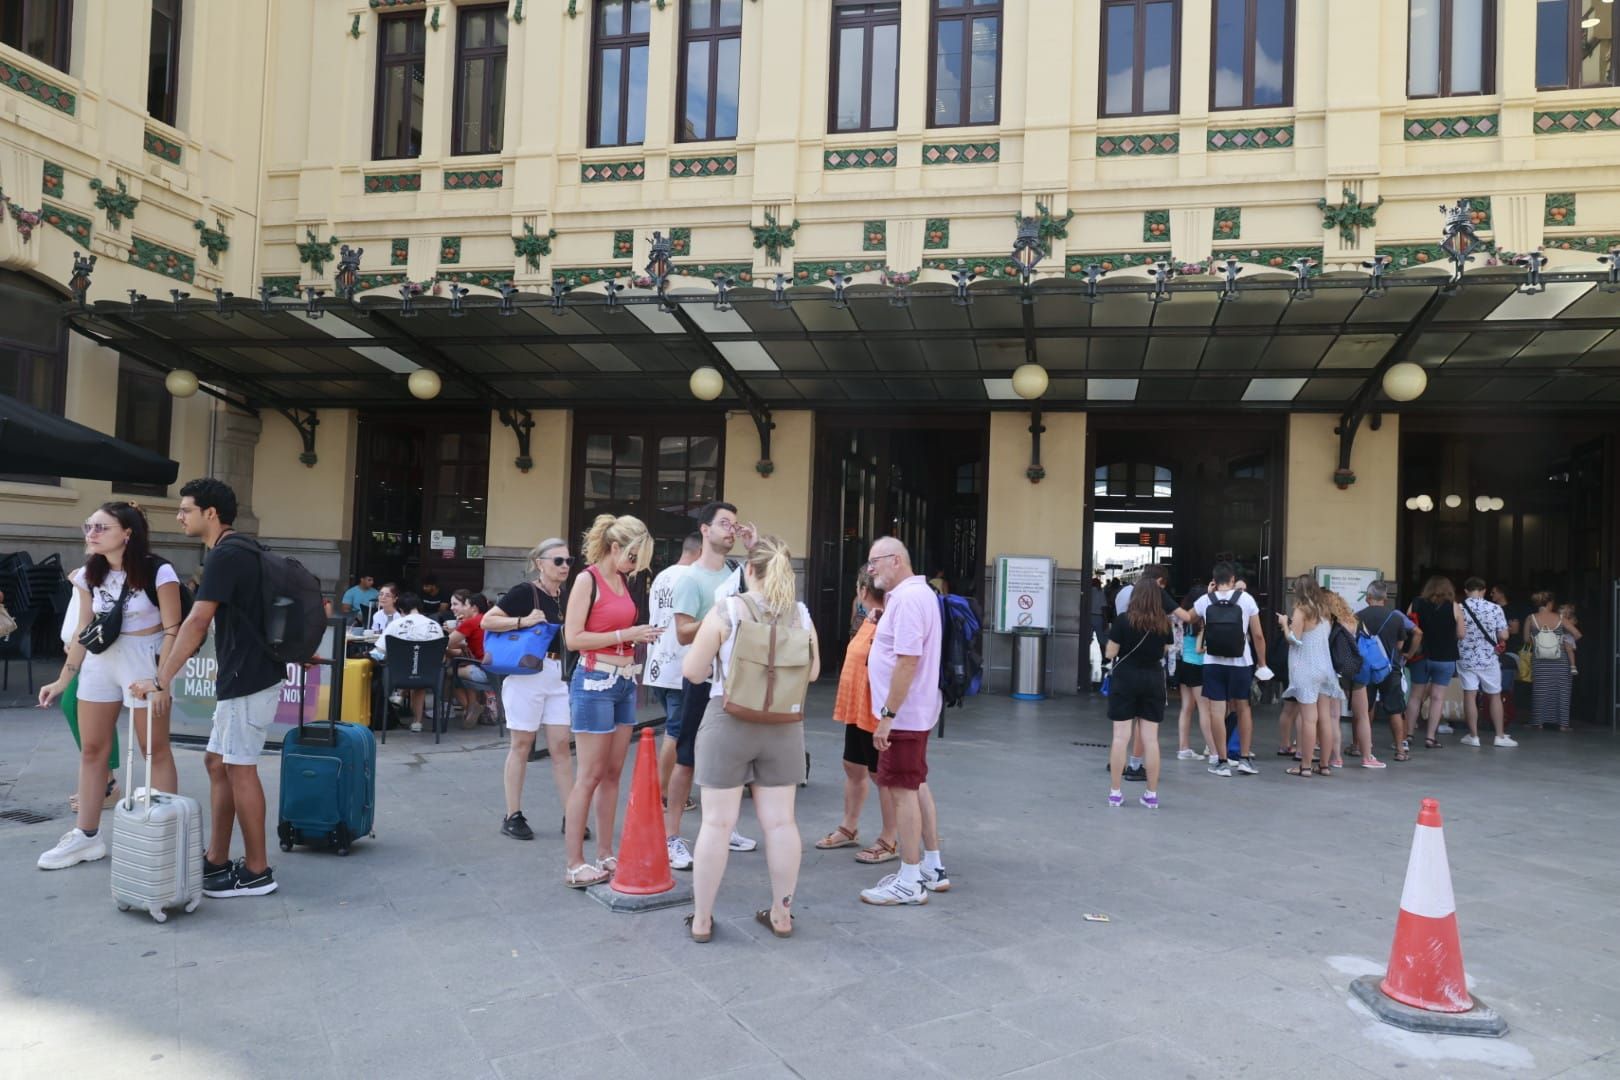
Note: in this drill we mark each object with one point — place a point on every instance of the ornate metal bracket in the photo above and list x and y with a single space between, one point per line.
1036 472
79 282
521 421
306 422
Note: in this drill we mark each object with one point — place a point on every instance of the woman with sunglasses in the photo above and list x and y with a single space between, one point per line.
120 572
541 700
601 626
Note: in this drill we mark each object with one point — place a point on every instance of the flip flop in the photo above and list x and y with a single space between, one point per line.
881 851
1302 771
763 917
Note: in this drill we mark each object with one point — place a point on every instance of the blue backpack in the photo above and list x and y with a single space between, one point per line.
1375 663
961 663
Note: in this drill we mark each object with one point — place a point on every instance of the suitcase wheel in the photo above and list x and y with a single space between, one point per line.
159 915
122 906
343 850
286 845
193 905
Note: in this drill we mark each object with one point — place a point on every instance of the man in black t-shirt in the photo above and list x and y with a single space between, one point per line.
247 691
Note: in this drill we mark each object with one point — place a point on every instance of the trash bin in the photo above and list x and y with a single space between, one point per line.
1029 666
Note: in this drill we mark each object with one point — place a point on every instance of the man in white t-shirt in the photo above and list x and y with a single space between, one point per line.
1485 629
408 625
664 658
1228 674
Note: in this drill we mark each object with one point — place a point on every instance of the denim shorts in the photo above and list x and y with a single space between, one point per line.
670 699
1438 672
600 700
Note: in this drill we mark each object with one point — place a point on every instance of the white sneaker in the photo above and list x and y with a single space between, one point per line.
74 847
1470 740
680 856
1246 767
1443 729
1188 755
739 842
892 892
1221 768
1505 741
935 879
416 725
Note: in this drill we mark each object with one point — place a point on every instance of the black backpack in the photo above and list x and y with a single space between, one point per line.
1224 627
294 610
1344 650
187 598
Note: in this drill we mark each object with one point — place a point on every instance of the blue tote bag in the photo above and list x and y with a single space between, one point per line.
518 652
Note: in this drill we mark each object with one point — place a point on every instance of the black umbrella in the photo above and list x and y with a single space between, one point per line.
35 443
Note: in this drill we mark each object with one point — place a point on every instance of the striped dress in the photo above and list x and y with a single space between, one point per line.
1550 691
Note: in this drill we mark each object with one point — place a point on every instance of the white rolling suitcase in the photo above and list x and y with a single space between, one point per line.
157 851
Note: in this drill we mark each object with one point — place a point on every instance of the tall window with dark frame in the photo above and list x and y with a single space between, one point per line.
1141 57
964 80
711 70
865 86
480 95
1252 61
661 472
401 60
1450 48
620 37
41 28
145 416
1575 45
163 62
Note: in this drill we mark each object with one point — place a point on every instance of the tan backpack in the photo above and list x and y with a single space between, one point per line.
769 674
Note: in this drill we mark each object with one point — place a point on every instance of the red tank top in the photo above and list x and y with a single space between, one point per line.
610 612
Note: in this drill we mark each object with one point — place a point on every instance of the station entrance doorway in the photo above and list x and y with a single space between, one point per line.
1535 512
921 480
1177 490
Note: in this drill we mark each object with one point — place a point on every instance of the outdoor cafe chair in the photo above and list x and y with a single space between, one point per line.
414 665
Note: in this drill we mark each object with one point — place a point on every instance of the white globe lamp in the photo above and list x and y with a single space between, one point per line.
706 384
1029 381
1405 381
180 383
424 384
1453 501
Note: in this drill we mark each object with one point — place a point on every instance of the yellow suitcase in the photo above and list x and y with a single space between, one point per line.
357 691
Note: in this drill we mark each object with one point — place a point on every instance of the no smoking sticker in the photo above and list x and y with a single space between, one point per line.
1026 601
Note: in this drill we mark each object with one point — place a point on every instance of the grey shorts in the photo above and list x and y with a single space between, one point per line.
732 752
241 724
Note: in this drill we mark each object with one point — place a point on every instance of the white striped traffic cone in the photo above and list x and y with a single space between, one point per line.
1425 961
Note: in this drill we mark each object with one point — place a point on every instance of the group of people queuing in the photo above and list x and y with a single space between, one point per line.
127 638
1329 658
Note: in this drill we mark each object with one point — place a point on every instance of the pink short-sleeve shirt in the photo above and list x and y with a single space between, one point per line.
910 627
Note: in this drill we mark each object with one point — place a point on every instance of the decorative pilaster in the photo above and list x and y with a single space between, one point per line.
236 439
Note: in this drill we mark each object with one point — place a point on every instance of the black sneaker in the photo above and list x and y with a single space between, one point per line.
217 876
517 827
1138 773
563 828
245 883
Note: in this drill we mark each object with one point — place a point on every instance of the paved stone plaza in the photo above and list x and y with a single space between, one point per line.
1240 913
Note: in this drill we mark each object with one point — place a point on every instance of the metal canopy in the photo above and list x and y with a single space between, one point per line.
1262 343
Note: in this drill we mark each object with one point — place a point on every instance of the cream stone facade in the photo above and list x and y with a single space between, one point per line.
273 145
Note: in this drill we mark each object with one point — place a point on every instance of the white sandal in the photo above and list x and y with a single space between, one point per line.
609 864
575 877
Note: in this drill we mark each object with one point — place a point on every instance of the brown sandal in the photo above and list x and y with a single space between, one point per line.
763 917
881 851
838 838
697 937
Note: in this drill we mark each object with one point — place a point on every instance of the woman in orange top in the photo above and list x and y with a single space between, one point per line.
853 708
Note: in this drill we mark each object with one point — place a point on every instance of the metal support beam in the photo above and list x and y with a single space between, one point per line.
1036 429
521 421
162 368
437 359
1359 405
756 406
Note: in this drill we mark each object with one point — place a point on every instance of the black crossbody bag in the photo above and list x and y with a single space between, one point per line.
104 629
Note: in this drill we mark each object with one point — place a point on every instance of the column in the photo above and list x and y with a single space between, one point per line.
236 437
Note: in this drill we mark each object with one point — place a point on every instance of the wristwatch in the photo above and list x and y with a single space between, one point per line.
886 713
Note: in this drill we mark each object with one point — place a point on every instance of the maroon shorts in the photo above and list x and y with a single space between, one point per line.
905 763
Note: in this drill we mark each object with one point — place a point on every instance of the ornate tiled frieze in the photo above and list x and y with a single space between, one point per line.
1560 210
160 147
822 270
488 279
473 179
960 153
1147 145
76 226
936 234
1228 223
1280 258
449 250
1429 128
399 251
52 181
860 157
41 90
153 256
680 242
875 236
1155 226
624 243
611 172
1274 137
683 168
393 183
1562 121
281 284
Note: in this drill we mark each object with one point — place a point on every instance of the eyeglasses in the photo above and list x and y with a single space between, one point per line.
873 561
561 560
92 528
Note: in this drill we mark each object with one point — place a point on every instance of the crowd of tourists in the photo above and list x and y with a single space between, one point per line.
1330 660
692 638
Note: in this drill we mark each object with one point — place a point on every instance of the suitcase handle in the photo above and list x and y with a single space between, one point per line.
129 763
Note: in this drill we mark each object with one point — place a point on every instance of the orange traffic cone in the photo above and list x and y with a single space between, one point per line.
1424 988
643 880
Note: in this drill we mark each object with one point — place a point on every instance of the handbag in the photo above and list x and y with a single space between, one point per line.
98 636
1107 681
8 625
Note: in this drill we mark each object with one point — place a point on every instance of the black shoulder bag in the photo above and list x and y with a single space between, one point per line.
104 629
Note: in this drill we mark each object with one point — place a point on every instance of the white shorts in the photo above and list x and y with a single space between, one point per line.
241 724
1487 679
533 700
107 676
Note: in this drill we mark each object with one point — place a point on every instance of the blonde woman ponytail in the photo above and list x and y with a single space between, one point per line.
626 531
772 565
